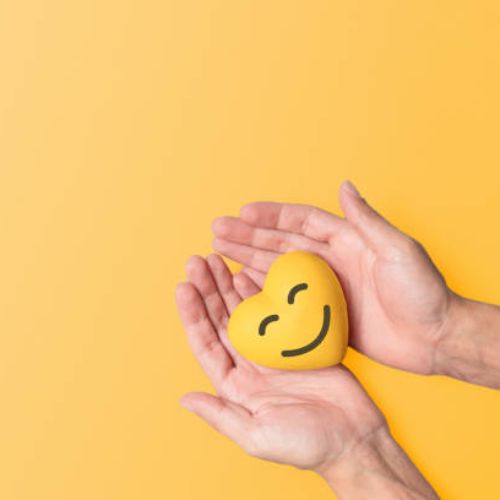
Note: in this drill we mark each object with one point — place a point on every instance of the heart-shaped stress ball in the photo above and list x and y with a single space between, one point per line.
299 319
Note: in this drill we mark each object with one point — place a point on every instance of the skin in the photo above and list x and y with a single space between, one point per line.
401 311
402 314
322 420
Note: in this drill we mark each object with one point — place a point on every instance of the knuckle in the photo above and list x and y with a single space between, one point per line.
364 214
283 245
404 248
212 346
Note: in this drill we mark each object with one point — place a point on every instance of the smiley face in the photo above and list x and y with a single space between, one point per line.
298 320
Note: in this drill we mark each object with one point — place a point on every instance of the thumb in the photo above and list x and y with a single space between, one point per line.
226 417
379 233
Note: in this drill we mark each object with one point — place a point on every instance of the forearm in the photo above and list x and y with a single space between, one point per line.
470 347
377 468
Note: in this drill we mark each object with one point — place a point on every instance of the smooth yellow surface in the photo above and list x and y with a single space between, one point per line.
293 322
126 127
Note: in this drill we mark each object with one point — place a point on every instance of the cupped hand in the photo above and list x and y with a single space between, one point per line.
398 301
308 419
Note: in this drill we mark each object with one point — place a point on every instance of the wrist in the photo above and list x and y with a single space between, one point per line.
376 468
469 347
455 316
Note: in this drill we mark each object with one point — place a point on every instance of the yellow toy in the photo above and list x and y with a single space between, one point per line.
299 319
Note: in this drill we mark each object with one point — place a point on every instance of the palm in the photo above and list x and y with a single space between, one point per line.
322 409
397 299
303 418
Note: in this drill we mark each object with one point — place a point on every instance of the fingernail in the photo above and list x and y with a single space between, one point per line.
349 186
216 225
184 404
193 260
212 258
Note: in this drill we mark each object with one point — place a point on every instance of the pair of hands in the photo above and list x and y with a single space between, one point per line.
398 305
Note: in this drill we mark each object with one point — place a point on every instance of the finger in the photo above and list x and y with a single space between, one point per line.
224 282
226 417
295 218
256 276
202 337
256 258
237 230
245 285
199 273
378 232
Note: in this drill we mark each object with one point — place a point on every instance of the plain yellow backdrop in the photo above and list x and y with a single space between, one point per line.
126 127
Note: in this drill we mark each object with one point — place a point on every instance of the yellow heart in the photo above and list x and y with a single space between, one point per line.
299 319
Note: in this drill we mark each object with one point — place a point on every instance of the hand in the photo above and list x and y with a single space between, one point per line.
309 419
398 301
321 420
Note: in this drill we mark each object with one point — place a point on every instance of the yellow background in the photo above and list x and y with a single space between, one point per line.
126 126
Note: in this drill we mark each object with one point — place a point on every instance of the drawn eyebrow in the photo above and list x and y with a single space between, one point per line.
266 321
294 290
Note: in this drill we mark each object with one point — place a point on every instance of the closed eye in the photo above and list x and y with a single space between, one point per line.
294 290
266 321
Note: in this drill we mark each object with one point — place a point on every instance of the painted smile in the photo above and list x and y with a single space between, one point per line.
317 341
